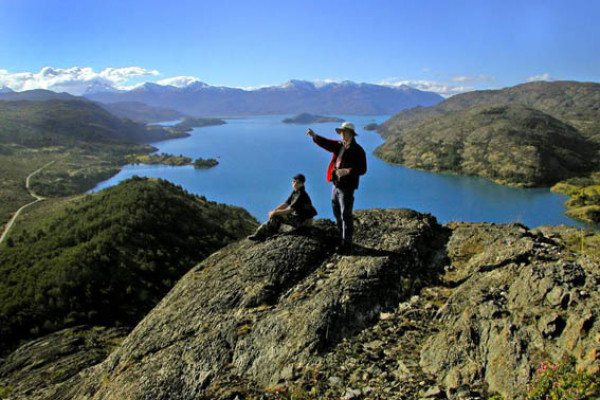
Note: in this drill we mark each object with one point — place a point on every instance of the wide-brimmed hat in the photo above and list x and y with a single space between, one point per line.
346 126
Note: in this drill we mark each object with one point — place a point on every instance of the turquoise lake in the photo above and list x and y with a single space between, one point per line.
259 155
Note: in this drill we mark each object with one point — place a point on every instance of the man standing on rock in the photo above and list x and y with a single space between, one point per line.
348 163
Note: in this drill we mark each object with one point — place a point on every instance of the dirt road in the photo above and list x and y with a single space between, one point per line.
33 194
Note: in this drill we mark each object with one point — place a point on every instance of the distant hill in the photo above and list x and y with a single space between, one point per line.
141 112
189 123
60 122
532 134
506 143
108 257
306 118
199 99
36 95
574 103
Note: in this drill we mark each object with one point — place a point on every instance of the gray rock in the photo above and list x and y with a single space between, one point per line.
352 394
497 341
256 310
433 392
35 369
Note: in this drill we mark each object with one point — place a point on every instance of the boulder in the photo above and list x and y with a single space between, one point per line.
523 299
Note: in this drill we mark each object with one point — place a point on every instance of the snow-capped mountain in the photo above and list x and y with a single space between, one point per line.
193 97
99 87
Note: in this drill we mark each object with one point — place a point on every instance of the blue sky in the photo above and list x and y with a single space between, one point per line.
448 46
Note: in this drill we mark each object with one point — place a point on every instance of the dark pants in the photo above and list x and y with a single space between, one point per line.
271 227
342 201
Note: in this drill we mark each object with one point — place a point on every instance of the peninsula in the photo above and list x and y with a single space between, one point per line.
306 118
189 123
531 135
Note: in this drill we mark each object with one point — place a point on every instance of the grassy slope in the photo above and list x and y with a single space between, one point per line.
86 142
76 169
15 165
574 103
67 122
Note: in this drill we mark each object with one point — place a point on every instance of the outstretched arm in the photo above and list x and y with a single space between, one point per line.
333 146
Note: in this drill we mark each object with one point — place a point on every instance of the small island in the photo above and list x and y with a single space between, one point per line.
306 118
170 159
205 163
371 127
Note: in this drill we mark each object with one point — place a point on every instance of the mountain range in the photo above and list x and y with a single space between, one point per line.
199 99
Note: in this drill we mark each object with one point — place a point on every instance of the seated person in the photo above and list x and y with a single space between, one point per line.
295 211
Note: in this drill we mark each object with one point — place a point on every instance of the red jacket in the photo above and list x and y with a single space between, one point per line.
353 158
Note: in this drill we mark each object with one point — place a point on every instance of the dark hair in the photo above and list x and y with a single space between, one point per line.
300 178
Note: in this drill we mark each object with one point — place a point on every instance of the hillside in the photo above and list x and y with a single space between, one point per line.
36 95
293 97
420 311
528 139
510 144
80 142
107 258
140 112
574 103
68 122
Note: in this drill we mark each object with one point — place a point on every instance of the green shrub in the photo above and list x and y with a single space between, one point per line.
563 382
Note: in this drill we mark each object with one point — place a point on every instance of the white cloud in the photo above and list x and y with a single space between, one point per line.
442 88
541 77
74 80
179 81
122 75
474 79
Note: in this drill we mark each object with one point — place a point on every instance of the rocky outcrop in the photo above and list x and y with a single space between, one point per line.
418 311
521 299
36 368
262 311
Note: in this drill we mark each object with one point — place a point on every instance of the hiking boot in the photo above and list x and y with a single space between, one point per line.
344 249
256 238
